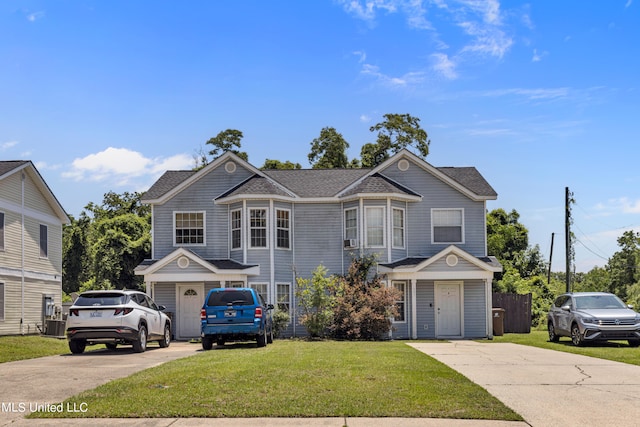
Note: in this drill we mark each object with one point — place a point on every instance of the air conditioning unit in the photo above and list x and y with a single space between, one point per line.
351 243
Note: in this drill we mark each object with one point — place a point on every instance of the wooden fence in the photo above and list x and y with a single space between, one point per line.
517 312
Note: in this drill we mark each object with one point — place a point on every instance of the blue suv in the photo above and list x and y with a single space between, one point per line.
235 314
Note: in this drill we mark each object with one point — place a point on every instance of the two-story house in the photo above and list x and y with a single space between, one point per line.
31 221
231 224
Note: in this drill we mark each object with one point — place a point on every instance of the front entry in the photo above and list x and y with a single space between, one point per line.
448 303
190 301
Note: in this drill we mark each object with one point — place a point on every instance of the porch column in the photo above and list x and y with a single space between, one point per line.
414 308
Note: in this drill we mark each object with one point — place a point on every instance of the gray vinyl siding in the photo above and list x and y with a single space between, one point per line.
199 196
475 311
437 194
318 238
425 313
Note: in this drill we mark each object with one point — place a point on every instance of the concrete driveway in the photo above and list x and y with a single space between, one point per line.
55 378
547 388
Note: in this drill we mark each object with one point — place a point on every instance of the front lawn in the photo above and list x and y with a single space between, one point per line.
618 351
18 347
294 378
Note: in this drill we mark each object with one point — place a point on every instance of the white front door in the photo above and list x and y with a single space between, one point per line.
190 301
448 319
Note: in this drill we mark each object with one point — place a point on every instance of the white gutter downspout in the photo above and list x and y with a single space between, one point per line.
22 261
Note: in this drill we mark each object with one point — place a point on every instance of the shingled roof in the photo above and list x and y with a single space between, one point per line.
9 165
470 178
316 182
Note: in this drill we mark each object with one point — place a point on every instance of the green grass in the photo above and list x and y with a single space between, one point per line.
293 378
18 347
618 351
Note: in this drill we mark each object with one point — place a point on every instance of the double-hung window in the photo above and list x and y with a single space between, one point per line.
401 302
1 231
283 296
236 229
189 228
283 229
447 225
398 228
262 289
374 224
258 228
351 224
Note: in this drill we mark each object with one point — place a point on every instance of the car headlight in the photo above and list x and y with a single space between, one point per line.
590 320
637 318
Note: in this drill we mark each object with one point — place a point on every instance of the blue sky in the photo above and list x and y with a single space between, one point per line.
107 95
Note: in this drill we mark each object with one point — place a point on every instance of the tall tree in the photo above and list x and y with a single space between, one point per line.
623 265
396 132
329 150
227 140
277 164
75 258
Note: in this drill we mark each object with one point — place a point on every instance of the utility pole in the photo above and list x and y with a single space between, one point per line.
567 234
553 235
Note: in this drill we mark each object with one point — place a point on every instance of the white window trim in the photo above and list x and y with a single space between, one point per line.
265 295
204 228
462 231
277 301
404 282
239 248
266 228
393 229
288 229
344 218
366 227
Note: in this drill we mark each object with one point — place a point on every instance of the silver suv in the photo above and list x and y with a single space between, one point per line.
116 317
593 316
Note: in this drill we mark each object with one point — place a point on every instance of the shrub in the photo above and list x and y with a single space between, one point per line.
281 321
316 301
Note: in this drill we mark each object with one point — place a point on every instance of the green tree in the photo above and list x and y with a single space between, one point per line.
329 150
316 301
623 265
75 259
396 132
277 164
227 140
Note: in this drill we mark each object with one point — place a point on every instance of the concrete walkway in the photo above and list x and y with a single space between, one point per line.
548 388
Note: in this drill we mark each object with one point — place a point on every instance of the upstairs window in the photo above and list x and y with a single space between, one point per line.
189 228
44 241
258 226
374 223
282 229
398 228
351 224
236 229
447 225
1 231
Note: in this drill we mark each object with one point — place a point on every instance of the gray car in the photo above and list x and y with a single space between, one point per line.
591 317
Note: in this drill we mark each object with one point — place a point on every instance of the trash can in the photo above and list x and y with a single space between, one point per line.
498 321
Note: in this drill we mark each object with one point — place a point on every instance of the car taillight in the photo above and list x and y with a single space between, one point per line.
203 314
123 310
258 312
74 312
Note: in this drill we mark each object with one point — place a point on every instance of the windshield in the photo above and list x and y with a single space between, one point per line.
588 302
101 299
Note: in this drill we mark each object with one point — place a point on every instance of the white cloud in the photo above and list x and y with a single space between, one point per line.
8 144
365 118
444 66
532 94
407 79
362 56
628 3
32 17
121 166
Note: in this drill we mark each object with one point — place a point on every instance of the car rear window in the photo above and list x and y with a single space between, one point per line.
230 296
101 299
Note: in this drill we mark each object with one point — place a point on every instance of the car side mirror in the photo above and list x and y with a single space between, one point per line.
162 308
565 308
270 307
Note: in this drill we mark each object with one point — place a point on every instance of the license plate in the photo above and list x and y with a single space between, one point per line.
229 314
96 314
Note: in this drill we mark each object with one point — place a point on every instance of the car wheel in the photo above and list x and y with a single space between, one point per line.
634 343
552 333
140 345
166 338
77 346
207 343
576 337
111 346
262 339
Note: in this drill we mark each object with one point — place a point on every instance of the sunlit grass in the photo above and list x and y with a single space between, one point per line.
293 378
18 347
